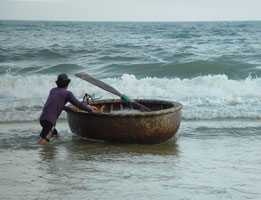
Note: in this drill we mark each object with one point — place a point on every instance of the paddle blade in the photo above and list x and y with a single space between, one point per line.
98 83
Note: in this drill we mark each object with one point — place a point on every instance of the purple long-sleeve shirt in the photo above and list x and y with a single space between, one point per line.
55 103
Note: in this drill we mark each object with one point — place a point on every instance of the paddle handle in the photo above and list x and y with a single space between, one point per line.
141 106
126 98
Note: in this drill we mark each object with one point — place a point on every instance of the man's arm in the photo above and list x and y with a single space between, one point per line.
78 104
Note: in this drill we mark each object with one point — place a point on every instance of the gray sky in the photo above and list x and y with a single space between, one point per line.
131 10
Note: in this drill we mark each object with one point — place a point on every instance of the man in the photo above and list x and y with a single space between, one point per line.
54 105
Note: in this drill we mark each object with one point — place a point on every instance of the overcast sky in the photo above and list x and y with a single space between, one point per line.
131 10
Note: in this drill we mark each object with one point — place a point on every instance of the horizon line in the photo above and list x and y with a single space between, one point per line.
130 21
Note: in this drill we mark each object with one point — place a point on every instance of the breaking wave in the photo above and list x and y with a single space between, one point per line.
203 97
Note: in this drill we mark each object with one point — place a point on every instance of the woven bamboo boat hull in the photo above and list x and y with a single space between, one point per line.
153 127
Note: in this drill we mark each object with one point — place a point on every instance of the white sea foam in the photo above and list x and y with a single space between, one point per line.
203 97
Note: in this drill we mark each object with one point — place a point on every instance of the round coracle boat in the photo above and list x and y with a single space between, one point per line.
124 122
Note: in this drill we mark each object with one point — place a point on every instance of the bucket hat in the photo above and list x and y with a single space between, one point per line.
62 80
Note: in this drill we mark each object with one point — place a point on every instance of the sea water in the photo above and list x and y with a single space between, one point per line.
212 68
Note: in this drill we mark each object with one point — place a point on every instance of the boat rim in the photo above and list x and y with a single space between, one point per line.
176 107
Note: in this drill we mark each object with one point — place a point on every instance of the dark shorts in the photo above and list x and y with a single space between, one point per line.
47 128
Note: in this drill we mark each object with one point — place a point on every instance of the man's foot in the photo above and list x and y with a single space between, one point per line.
55 135
42 141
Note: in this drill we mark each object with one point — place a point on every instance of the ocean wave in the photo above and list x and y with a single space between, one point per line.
232 69
48 53
209 97
54 53
218 115
208 89
29 53
68 68
126 46
53 69
118 58
244 126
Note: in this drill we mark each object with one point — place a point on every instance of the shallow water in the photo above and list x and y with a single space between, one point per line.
201 162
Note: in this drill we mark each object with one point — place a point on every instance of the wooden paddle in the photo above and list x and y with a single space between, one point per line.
108 88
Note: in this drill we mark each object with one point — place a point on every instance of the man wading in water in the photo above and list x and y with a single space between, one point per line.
54 105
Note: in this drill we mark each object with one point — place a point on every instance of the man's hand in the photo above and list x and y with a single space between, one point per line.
96 110
74 108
